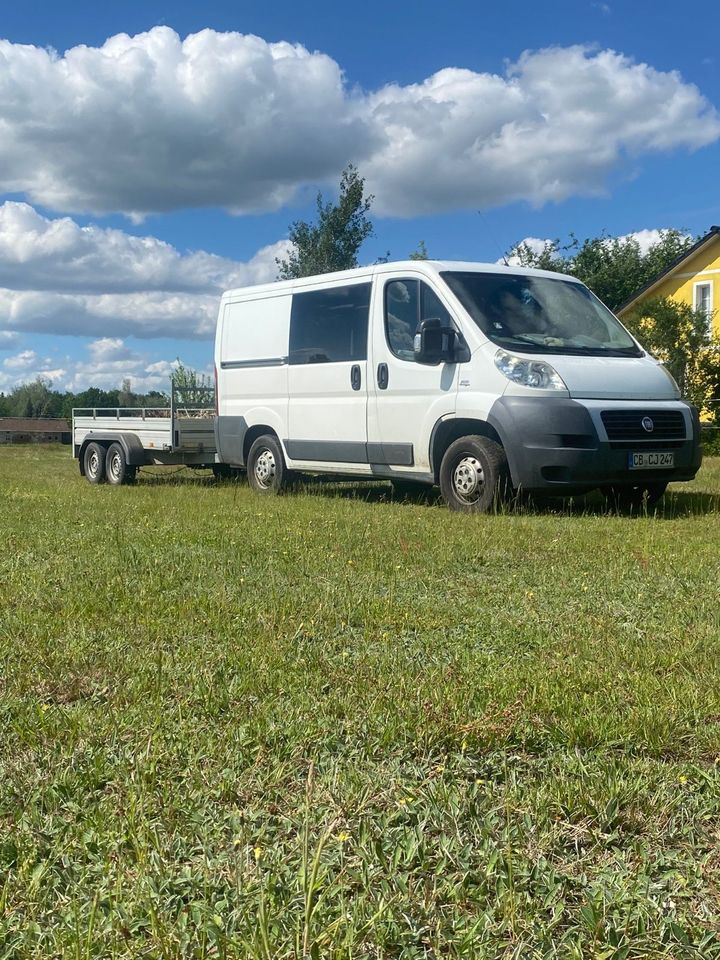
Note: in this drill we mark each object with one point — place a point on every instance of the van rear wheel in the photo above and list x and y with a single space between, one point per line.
474 475
266 470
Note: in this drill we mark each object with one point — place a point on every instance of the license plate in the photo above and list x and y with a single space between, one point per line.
651 461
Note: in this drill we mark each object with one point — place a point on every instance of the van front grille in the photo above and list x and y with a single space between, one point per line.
644 425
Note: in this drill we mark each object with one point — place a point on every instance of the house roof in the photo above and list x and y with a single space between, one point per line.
712 234
34 425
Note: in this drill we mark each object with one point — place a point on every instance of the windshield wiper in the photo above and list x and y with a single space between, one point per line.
568 347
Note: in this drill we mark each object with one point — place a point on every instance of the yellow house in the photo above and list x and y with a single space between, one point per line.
694 278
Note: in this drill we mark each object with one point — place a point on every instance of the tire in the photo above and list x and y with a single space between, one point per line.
266 470
634 497
117 469
474 475
94 463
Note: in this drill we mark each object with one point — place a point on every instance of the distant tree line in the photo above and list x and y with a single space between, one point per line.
38 399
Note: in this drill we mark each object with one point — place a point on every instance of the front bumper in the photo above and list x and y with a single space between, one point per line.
560 445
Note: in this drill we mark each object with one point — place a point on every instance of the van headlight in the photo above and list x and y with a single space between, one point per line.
528 373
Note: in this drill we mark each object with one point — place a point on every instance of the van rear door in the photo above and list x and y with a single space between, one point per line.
327 374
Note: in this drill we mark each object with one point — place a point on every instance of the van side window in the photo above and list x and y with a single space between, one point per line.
329 326
407 302
432 307
401 316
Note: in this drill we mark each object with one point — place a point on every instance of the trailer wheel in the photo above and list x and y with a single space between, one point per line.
266 468
474 475
117 469
94 463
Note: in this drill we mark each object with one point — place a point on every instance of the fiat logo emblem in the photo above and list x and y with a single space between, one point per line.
647 424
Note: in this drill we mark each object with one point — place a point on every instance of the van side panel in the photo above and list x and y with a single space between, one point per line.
252 369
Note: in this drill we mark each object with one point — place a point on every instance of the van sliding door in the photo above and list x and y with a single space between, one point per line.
327 375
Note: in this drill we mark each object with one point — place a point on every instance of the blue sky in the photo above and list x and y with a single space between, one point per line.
167 197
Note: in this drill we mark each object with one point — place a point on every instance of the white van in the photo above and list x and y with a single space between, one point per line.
480 378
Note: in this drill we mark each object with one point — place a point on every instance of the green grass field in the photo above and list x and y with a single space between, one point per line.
332 725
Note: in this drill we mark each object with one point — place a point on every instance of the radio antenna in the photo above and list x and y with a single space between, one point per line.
495 238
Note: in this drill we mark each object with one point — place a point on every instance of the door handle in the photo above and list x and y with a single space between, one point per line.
355 377
382 376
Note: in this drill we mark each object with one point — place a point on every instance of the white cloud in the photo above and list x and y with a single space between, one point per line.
39 253
26 366
58 277
8 339
108 362
155 123
535 244
21 361
558 124
645 239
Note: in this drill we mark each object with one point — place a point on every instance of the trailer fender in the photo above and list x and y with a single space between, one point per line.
130 442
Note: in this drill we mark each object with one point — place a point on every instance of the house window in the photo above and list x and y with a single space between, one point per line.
702 298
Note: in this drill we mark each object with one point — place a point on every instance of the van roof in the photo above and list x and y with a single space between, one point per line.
423 267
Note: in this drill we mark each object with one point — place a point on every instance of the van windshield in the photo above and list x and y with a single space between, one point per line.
540 314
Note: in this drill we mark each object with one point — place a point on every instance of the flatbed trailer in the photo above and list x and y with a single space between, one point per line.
111 443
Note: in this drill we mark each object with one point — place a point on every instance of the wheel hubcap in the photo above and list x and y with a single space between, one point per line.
468 479
115 466
94 464
265 468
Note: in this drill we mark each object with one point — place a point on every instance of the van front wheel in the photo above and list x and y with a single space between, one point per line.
266 470
474 475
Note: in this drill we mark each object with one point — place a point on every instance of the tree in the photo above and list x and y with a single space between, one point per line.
333 242
190 386
681 337
92 398
613 267
35 399
421 252
126 397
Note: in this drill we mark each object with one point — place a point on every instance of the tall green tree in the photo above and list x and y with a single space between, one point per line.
421 252
35 399
190 386
334 240
613 267
682 338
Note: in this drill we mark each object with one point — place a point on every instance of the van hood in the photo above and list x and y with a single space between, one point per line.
614 378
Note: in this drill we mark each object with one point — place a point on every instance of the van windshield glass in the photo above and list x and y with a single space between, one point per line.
540 314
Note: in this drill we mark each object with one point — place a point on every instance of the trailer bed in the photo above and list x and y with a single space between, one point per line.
182 433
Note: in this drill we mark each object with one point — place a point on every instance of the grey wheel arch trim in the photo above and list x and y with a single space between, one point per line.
132 448
230 433
458 427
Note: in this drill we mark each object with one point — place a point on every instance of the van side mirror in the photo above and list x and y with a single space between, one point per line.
435 343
